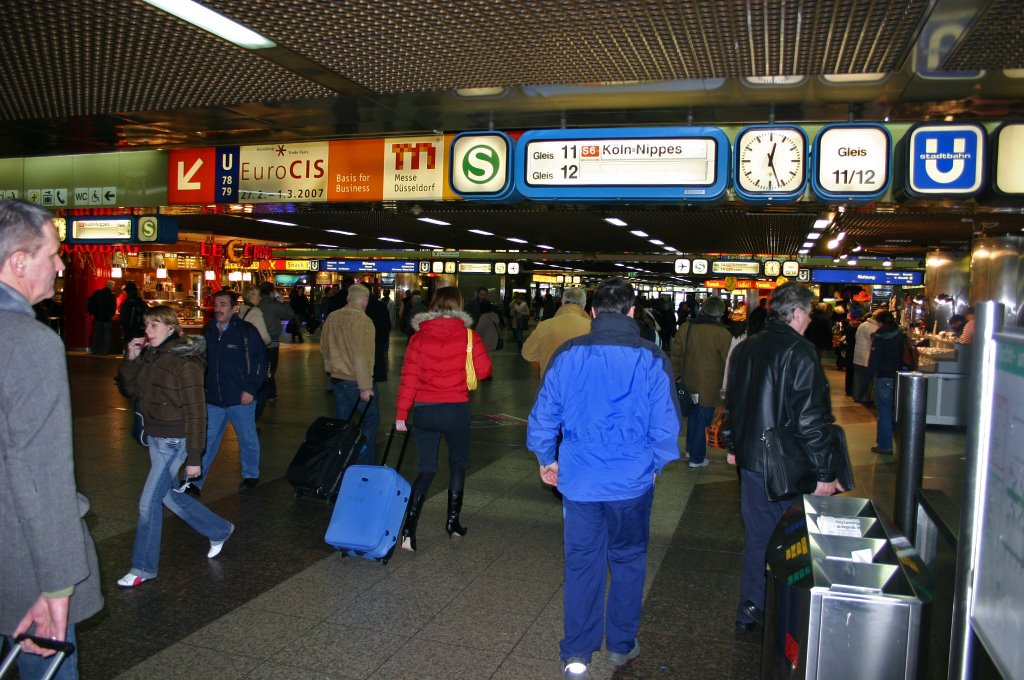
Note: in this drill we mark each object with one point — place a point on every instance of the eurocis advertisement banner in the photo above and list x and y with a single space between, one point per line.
380 169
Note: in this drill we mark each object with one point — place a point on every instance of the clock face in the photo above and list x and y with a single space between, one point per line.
771 160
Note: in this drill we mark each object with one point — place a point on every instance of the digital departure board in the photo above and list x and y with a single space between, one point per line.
869 276
681 163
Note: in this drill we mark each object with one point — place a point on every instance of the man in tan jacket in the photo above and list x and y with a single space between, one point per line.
347 344
570 321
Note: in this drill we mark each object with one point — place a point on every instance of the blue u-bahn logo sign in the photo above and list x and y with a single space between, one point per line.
946 160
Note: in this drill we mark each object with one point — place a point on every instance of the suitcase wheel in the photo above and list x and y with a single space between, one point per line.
384 560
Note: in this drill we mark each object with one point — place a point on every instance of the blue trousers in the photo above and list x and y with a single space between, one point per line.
346 395
885 390
760 517
243 419
602 536
33 666
696 443
167 455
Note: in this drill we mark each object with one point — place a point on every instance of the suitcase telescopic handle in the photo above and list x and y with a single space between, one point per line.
62 648
362 416
401 452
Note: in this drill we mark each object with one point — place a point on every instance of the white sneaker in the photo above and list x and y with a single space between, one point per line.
217 546
703 463
131 580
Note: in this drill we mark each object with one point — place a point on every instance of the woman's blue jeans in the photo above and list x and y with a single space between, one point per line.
885 390
166 455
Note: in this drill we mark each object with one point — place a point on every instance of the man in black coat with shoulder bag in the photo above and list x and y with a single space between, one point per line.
775 379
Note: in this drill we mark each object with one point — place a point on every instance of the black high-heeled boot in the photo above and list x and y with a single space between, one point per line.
452 525
411 520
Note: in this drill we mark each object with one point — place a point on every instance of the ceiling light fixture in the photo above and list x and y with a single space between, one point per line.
516 240
852 261
886 262
657 242
857 248
339 231
544 247
671 249
326 245
218 24
615 221
807 245
388 238
843 256
431 220
481 232
637 232
813 236
821 223
803 251
619 264
836 260
832 244
431 245
283 224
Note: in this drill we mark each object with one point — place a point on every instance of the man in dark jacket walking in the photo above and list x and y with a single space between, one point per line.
274 311
132 310
236 366
775 379
102 305
885 360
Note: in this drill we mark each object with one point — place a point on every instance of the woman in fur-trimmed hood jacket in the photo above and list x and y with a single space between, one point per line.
163 372
434 388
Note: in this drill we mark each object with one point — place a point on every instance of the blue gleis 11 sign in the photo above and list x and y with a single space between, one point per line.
680 163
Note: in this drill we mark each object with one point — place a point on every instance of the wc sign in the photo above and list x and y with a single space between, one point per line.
946 161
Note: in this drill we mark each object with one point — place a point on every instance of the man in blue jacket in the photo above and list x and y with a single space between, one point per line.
236 366
612 395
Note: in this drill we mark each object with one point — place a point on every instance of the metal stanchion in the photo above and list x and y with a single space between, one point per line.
911 410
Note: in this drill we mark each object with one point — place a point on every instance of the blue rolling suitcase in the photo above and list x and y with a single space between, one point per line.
371 507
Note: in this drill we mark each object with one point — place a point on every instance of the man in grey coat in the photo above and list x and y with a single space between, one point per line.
274 311
49 576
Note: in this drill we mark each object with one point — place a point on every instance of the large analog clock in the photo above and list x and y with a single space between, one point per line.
771 163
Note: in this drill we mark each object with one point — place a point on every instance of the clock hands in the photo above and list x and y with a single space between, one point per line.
771 164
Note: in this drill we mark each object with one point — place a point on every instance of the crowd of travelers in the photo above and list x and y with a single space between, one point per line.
618 372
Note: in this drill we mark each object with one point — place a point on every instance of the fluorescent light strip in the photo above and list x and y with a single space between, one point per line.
339 231
283 224
215 23
481 232
657 242
803 251
327 245
637 232
615 221
813 236
431 220
432 245
821 223
544 247
808 244
392 240
516 240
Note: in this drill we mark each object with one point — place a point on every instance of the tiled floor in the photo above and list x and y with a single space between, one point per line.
279 603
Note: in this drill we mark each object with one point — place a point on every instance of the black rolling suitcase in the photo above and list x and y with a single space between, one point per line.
331 445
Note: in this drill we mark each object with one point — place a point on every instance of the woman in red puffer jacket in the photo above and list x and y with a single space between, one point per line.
434 387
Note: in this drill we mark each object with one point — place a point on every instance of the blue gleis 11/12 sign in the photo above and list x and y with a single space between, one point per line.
680 163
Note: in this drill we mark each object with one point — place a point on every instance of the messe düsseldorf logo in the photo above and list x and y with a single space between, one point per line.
947 159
